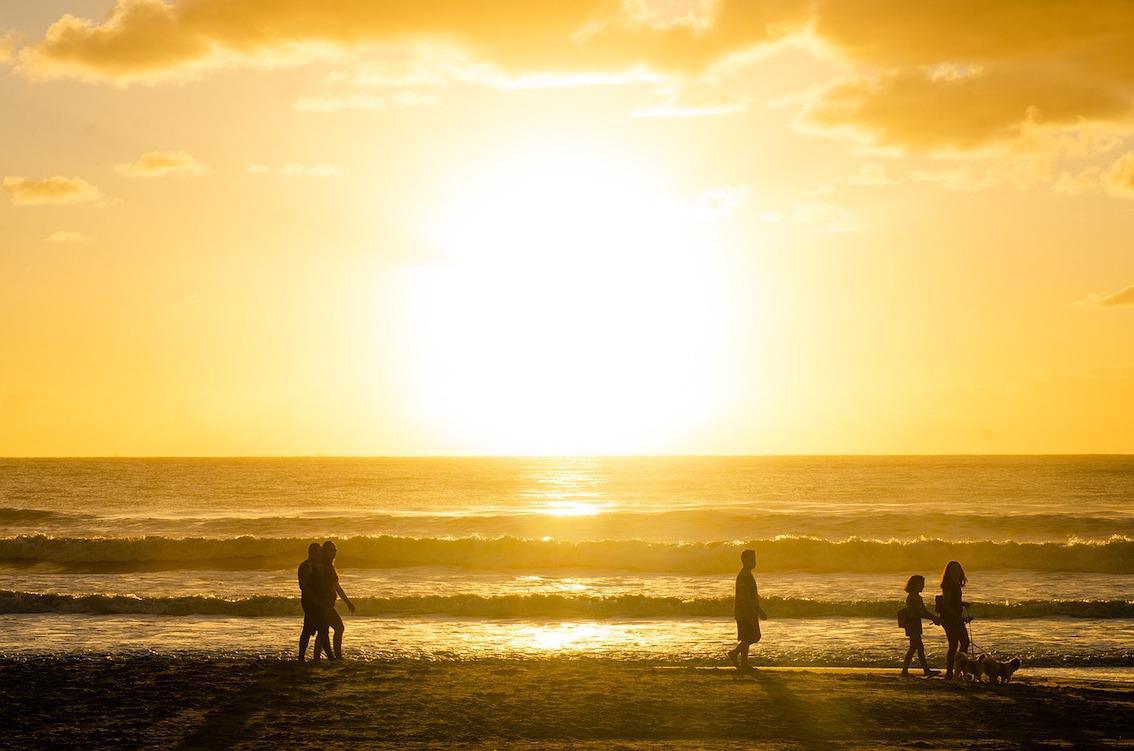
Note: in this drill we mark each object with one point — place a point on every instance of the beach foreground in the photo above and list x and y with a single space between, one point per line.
193 702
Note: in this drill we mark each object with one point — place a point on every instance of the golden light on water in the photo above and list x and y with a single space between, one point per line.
571 508
561 637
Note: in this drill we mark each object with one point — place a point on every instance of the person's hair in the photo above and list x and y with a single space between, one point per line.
915 583
314 550
953 572
748 553
328 548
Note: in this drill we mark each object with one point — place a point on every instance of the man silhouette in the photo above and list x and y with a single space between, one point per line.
313 598
747 611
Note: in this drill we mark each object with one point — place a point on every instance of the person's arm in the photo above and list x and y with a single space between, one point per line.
931 616
342 594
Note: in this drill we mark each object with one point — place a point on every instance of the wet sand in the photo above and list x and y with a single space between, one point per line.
193 702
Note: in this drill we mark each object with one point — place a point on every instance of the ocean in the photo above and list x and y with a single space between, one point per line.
619 558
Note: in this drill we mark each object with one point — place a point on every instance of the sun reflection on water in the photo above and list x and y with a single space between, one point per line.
571 508
561 636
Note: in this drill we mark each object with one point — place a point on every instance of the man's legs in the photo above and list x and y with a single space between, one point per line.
335 621
304 639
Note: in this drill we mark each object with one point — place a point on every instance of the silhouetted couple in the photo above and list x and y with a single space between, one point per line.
950 608
319 588
747 611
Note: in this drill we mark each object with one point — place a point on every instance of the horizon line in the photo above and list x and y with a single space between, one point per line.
578 456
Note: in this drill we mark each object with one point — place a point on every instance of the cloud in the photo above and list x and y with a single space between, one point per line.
819 215
870 175
295 169
1076 184
8 42
1119 179
63 237
918 111
150 39
161 164
694 100
954 178
721 202
966 74
1122 298
954 76
52 190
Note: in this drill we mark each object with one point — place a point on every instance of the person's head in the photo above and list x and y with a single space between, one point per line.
314 552
954 573
748 558
329 550
915 583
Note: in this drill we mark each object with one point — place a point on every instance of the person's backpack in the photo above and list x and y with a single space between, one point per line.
938 601
903 618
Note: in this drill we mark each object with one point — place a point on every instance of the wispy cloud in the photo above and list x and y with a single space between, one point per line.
8 42
721 202
1122 298
64 237
52 190
1119 179
162 164
827 217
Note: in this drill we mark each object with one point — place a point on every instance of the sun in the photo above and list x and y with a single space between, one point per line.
575 307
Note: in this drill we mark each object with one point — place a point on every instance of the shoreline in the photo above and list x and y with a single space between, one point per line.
163 701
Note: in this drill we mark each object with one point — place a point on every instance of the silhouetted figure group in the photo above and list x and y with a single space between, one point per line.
319 588
950 614
949 606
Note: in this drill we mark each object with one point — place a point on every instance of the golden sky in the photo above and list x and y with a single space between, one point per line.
513 226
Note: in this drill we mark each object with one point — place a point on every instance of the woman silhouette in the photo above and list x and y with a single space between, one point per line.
951 608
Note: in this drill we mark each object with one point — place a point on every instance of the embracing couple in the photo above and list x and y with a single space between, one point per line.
319 588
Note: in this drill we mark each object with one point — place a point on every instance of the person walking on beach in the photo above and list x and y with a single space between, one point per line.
914 613
313 598
333 588
747 611
951 608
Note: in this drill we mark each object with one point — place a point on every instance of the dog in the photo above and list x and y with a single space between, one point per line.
967 667
999 671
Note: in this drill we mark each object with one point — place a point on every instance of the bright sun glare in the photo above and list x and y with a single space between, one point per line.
574 308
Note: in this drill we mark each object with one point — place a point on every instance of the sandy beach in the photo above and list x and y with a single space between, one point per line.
194 702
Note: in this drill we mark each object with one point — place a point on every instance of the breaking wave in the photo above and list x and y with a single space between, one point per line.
694 525
1115 555
533 606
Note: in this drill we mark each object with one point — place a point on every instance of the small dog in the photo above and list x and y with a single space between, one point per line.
999 671
968 668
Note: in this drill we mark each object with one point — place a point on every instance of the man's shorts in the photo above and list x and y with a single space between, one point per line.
748 630
314 615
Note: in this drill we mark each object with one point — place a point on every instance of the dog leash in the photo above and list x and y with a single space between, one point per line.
973 647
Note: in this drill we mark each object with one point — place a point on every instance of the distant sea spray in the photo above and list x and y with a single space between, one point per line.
691 525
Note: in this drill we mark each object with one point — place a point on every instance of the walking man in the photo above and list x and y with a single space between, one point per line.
747 611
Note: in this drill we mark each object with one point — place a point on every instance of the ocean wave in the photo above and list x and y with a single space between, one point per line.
10 516
693 525
533 606
1115 555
